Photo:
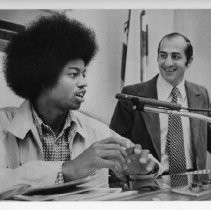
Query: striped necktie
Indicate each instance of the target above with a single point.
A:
(175, 146)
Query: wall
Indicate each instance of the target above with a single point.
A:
(7, 97)
(160, 22)
(196, 25)
(21, 16)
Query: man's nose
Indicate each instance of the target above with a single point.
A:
(82, 81)
(168, 61)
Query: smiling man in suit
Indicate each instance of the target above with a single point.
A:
(154, 131)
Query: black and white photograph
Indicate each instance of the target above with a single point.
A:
(105, 104)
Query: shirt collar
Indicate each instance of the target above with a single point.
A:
(22, 121)
(181, 88)
(164, 89)
(39, 122)
(71, 118)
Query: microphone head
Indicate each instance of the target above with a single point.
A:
(137, 100)
(121, 96)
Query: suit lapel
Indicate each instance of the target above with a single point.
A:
(152, 121)
(195, 101)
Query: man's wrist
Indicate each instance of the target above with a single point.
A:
(68, 171)
(154, 170)
(60, 176)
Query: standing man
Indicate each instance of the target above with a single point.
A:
(46, 140)
(159, 133)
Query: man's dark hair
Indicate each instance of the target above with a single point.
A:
(188, 49)
(36, 56)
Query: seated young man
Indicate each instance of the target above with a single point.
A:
(46, 140)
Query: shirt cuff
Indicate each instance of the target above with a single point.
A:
(38, 173)
(60, 176)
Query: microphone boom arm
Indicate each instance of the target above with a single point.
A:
(156, 106)
(184, 114)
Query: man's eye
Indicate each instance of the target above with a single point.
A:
(163, 56)
(176, 57)
(73, 75)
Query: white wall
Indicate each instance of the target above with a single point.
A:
(160, 22)
(196, 24)
(7, 97)
(21, 16)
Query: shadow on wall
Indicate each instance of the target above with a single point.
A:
(8, 98)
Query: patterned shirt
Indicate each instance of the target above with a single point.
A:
(56, 148)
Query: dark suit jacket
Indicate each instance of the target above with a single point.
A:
(144, 127)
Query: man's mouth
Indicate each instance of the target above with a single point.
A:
(169, 70)
(80, 94)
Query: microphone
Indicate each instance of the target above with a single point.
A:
(148, 101)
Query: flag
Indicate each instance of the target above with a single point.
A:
(134, 49)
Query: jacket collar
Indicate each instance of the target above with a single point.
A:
(152, 119)
(164, 89)
(195, 100)
(80, 128)
(23, 122)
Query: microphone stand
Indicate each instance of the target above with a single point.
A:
(175, 112)
(140, 107)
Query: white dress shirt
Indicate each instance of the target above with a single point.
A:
(164, 94)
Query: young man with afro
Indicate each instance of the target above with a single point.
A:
(46, 140)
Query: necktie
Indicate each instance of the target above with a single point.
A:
(175, 146)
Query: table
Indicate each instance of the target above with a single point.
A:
(198, 189)
(142, 190)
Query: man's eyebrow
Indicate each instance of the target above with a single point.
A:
(77, 69)
(162, 52)
(178, 53)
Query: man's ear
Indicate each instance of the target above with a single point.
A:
(189, 62)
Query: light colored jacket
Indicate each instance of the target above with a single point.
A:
(21, 154)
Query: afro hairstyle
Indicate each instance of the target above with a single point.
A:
(36, 56)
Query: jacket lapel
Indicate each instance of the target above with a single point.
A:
(152, 121)
(22, 123)
(195, 100)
